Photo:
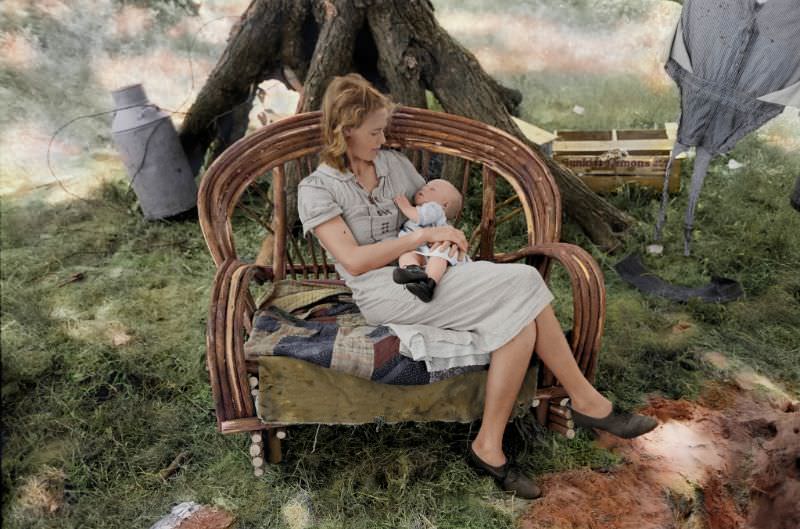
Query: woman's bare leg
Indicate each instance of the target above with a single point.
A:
(554, 351)
(507, 370)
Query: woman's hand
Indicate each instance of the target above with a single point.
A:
(441, 236)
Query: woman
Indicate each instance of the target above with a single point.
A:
(348, 204)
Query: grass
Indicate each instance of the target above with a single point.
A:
(745, 230)
(104, 384)
(110, 417)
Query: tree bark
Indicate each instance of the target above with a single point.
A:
(397, 45)
(252, 50)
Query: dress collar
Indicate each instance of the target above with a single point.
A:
(381, 168)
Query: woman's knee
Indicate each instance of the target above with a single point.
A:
(528, 277)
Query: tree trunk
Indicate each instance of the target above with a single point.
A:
(397, 45)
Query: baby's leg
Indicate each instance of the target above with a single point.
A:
(409, 269)
(410, 258)
(435, 268)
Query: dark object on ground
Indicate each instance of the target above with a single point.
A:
(719, 290)
(175, 465)
(77, 276)
(795, 201)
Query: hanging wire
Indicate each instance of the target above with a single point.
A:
(133, 177)
(212, 121)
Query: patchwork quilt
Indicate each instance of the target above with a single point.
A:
(319, 323)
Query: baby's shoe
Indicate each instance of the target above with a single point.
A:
(409, 274)
(423, 289)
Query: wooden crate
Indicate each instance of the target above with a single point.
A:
(606, 159)
(539, 136)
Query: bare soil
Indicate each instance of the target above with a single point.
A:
(731, 460)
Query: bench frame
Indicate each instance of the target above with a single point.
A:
(290, 144)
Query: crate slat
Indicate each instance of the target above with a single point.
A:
(607, 159)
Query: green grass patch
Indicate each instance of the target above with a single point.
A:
(103, 378)
(111, 416)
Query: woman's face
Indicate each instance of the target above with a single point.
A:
(365, 141)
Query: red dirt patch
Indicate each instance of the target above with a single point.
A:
(719, 507)
(208, 518)
(729, 461)
(622, 499)
(775, 491)
(665, 410)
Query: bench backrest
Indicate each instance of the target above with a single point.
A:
(286, 151)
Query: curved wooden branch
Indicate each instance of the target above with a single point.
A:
(230, 316)
(589, 300)
(416, 128)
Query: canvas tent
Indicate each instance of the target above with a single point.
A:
(737, 65)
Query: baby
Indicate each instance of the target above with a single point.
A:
(436, 202)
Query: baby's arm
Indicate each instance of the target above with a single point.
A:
(405, 206)
(431, 214)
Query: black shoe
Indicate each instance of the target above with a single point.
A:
(621, 424)
(423, 289)
(509, 476)
(409, 274)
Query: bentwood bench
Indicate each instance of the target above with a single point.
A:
(267, 396)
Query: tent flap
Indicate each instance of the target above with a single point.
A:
(737, 65)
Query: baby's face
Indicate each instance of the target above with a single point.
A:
(440, 191)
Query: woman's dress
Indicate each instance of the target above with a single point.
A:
(477, 307)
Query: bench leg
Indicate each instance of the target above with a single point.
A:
(274, 437)
(559, 419)
(257, 452)
(556, 416)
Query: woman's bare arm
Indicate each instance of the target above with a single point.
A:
(337, 238)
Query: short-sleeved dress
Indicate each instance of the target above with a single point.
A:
(478, 306)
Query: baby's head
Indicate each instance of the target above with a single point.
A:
(442, 192)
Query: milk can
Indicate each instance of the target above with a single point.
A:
(154, 159)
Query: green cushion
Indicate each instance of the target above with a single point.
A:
(293, 391)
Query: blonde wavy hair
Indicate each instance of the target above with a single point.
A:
(347, 101)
